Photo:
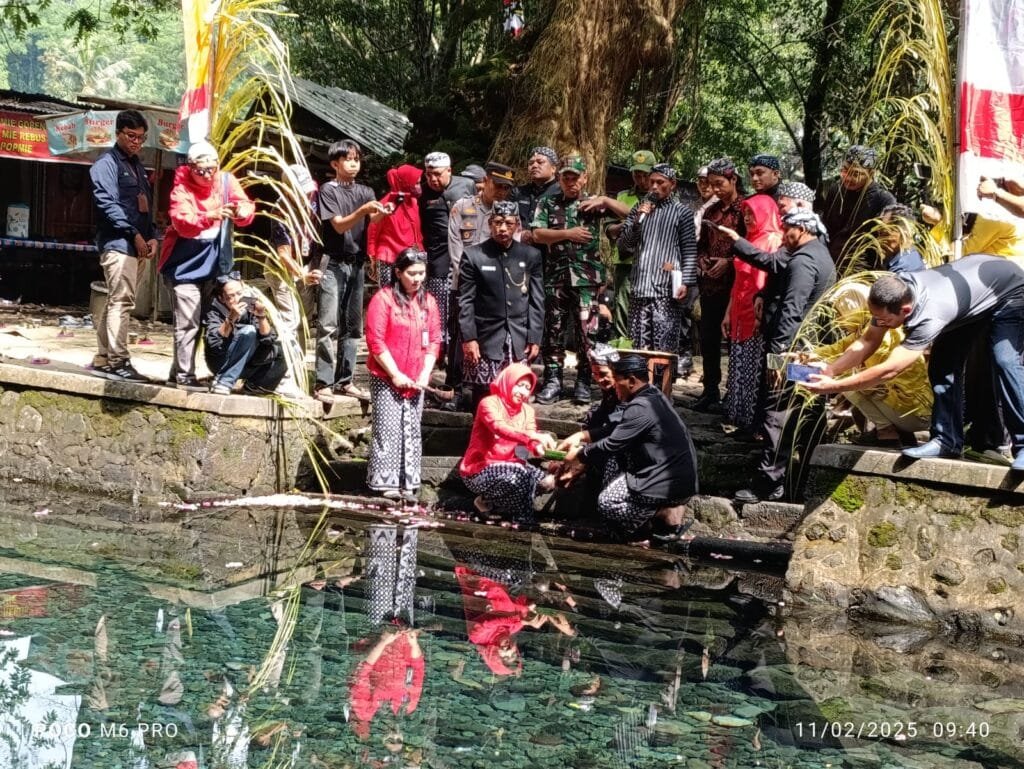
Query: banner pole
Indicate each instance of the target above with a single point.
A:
(958, 214)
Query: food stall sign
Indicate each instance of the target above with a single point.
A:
(21, 136)
(87, 131)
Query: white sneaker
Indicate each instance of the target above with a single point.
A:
(289, 390)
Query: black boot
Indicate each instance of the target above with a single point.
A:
(551, 391)
(581, 393)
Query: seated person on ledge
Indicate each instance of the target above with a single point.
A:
(491, 468)
(241, 343)
(657, 458)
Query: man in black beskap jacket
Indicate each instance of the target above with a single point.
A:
(653, 447)
(501, 302)
(798, 275)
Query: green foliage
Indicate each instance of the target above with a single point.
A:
(127, 51)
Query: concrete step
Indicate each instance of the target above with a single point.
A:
(777, 520)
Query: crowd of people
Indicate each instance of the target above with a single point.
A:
(484, 278)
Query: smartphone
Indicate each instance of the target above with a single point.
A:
(799, 372)
(399, 198)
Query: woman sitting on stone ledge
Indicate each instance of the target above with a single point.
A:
(241, 343)
(505, 421)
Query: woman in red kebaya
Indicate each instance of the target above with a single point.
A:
(493, 617)
(403, 336)
(391, 674)
(741, 325)
(504, 422)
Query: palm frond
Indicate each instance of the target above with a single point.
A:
(909, 102)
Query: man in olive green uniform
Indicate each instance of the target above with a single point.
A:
(642, 163)
(573, 276)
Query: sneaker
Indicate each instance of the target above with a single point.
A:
(290, 391)
(990, 456)
(186, 382)
(124, 372)
(103, 370)
(219, 389)
(757, 494)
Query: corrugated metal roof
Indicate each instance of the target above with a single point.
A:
(38, 103)
(375, 126)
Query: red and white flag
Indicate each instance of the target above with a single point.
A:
(991, 85)
(198, 17)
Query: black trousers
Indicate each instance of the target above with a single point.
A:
(792, 423)
(712, 312)
(453, 374)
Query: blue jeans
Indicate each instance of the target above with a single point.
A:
(339, 321)
(237, 362)
(1007, 339)
(946, 372)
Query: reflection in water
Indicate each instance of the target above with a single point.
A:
(393, 669)
(402, 647)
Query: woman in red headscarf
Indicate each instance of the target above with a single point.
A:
(388, 236)
(493, 617)
(490, 468)
(741, 325)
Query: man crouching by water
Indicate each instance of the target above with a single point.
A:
(655, 455)
(241, 343)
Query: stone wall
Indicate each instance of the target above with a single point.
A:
(124, 448)
(935, 542)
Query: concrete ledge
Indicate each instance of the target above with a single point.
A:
(947, 472)
(74, 380)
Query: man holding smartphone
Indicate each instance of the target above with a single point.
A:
(797, 282)
(204, 202)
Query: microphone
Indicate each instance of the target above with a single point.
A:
(650, 197)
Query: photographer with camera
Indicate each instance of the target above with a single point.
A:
(205, 203)
(400, 229)
(240, 342)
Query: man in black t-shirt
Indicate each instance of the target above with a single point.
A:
(942, 308)
(345, 209)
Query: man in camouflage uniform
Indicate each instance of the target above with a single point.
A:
(573, 276)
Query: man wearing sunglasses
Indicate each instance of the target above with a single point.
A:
(123, 199)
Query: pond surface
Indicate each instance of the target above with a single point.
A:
(134, 637)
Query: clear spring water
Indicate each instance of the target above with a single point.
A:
(133, 637)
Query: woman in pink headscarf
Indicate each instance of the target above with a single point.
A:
(490, 468)
(742, 325)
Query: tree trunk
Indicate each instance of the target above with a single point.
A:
(572, 90)
(817, 94)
